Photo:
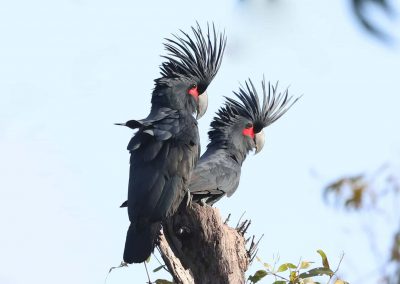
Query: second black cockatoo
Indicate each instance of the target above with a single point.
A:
(166, 147)
(236, 130)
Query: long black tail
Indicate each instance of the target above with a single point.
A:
(140, 243)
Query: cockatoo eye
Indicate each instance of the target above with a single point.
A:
(249, 125)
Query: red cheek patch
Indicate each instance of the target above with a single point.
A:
(248, 132)
(194, 92)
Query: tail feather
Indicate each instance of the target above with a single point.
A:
(140, 243)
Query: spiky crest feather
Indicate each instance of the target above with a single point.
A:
(274, 105)
(198, 58)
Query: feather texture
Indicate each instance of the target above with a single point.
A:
(219, 168)
(166, 146)
(200, 57)
(247, 105)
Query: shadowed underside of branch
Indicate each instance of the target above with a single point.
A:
(199, 248)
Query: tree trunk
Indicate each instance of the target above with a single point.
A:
(202, 249)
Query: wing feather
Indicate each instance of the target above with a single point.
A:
(215, 174)
(160, 167)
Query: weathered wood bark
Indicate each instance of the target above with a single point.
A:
(205, 250)
(179, 273)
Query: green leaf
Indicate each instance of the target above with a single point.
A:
(325, 262)
(286, 266)
(293, 276)
(305, 264)
(258, 276)
(279, 282)
(267, 266)
(163, 281)
(319, 271)
(158, 268)
(282, 268)
(148, 259)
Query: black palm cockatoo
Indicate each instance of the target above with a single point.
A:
(236, 130)
(166, 147)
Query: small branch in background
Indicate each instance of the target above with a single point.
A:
(360, 9)
(227, 219)
(363, 191)
(371, 193)
(303, 271)
(242, 228)
(147, 272)
(240, 219)
(162, 265)
(123, 264)
(253, 249)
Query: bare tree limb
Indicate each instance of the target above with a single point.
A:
(178, 272)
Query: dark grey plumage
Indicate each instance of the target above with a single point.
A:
(166, 147)
(218, 170)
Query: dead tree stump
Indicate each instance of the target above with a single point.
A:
(200, 248)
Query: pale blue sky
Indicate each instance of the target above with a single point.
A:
(70, 69)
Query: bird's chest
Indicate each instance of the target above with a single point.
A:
(189, 134)
(188, 142)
